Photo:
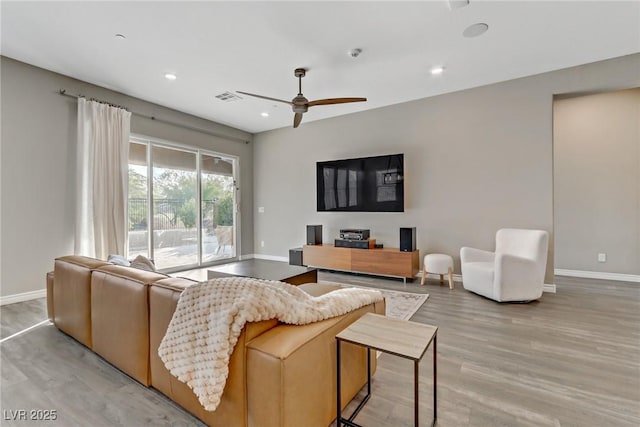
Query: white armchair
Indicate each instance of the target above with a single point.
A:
(514, 272)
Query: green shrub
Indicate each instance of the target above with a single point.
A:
(224, 211)
(187, 213)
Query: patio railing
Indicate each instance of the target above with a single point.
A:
(168, 214)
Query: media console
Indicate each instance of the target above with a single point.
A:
(383, 262)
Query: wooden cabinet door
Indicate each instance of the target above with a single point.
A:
(389, 262)
(327, 256)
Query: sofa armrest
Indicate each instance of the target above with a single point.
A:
(517, 278)
(291, 372)
(232, 410)
(475, 255)
(71, 290)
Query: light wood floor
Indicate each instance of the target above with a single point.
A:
(571, 359)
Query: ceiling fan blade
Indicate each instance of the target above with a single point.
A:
(297, 119)
(265, 97)
(330, 101)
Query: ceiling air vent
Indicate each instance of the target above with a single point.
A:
(228, 97)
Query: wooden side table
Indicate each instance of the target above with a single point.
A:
(402, 338)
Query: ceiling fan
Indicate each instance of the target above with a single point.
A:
(300, 104)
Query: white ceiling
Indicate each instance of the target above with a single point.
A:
(254, 47)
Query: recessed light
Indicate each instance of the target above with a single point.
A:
(170, 76)
(264, 114)
(475, 30)
(120, 36)
(437, 70)
(354, 53)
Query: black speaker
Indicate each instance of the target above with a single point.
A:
(314, 234)
(295, 256)
(408, 239)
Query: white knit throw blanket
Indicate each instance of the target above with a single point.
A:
(210, 316)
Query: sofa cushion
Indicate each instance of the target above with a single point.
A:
(118, 260)
(317, 289)
(143, 263)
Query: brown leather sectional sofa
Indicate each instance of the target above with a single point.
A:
(279, 375)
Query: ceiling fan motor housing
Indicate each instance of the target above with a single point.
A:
(300, 104)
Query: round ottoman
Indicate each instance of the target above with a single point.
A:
(439, 264)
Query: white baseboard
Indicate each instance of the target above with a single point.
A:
(26, 296)
(551, 288)
(598, 275)
(271, 257)
(261, 256)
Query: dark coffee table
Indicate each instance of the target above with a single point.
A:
(264, 269)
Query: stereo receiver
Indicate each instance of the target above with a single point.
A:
(354, 234)
(356, 244)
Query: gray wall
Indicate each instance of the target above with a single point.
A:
(38, 167)
(476, 161)
(597, 182)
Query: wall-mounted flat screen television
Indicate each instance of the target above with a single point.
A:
(367, 184)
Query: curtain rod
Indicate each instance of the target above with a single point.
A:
(64, 92)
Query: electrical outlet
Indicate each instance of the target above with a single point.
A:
(262, 243)
(261, 209)
(602, 257)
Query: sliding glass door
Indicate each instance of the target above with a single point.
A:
(168, 186)
(138, 206)
(218, 208)
(174, 195)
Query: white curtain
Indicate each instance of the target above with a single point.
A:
(102, 166)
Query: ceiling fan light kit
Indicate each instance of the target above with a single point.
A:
(300, 104)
